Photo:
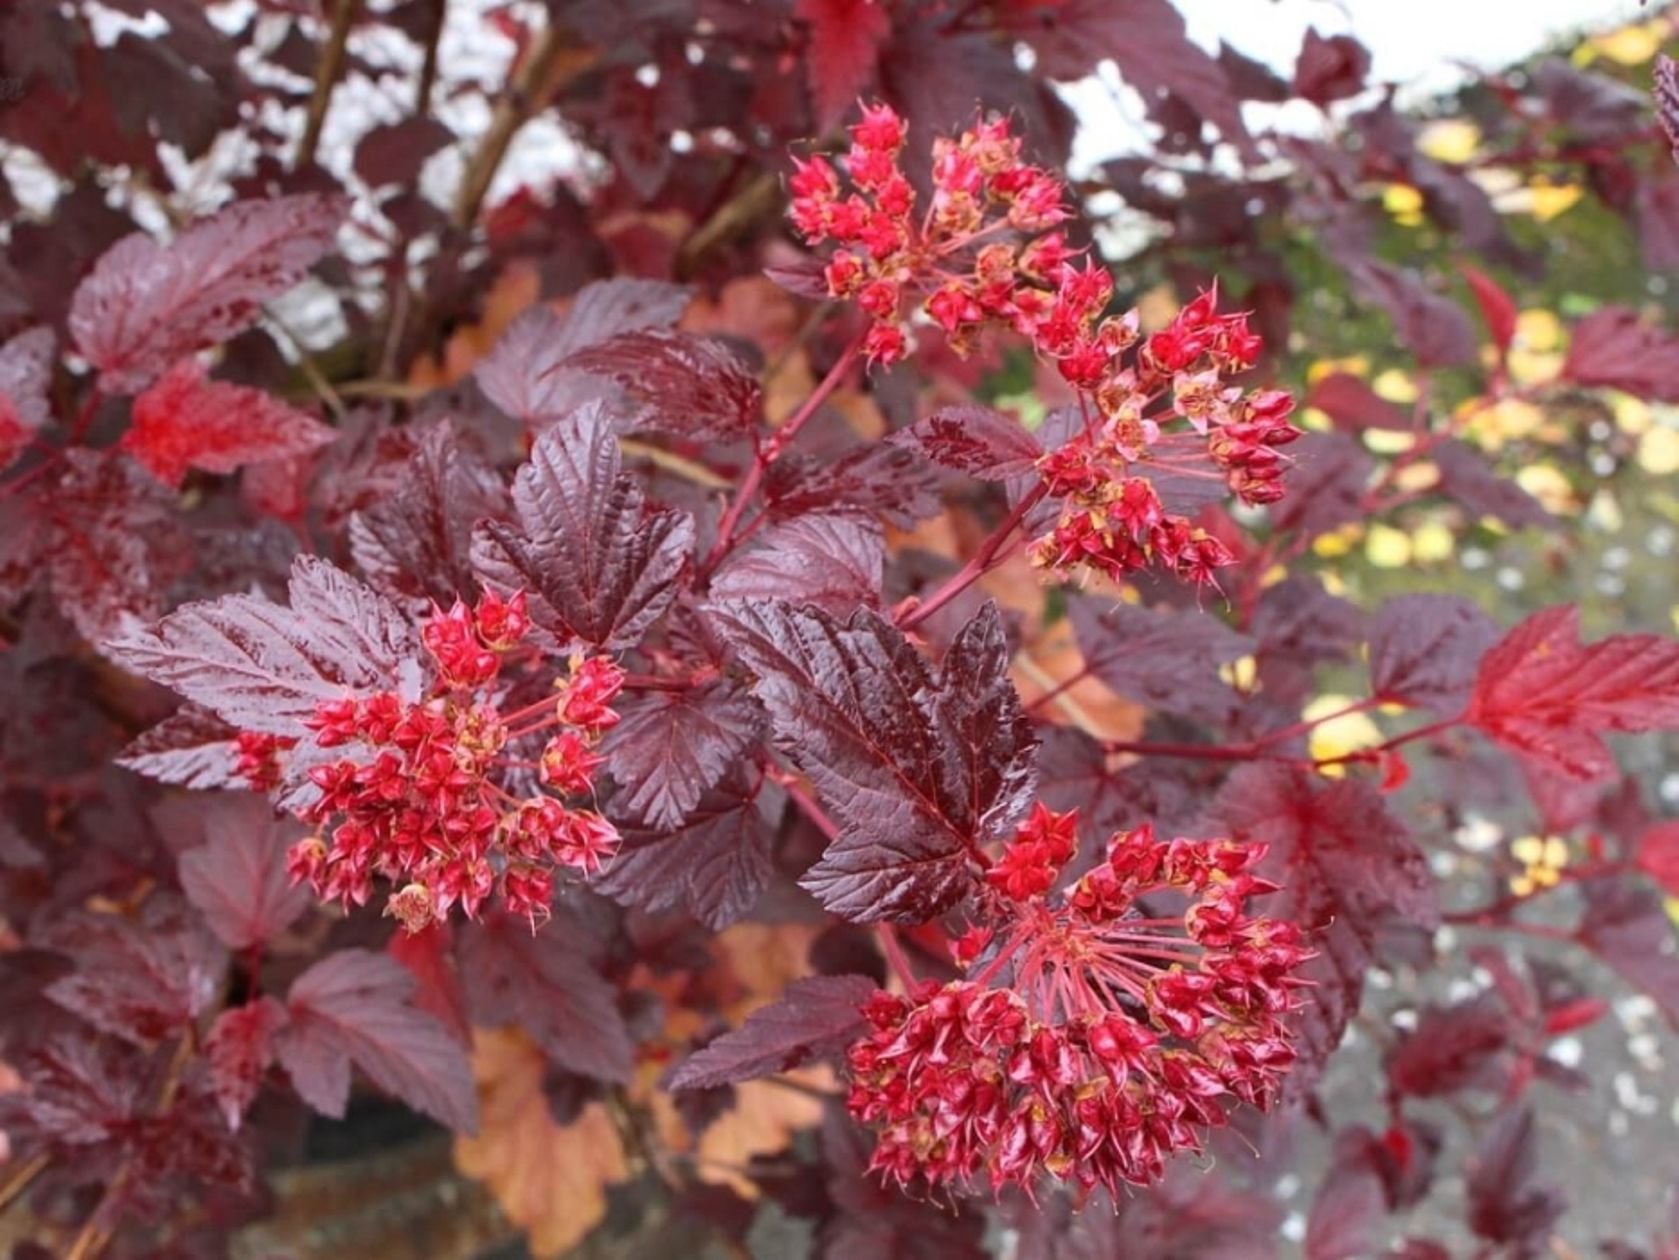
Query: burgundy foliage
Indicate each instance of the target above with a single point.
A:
(457, 672)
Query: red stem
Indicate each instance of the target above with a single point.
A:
(991, 551)
(894, 952)
(768, 452)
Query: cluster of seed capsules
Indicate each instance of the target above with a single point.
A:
(983, 256)
(425, 800)
(1102, 1030)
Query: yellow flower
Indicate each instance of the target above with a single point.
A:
(1450, 140)
(1387, 547)
(1658, 451)
(1543, 859)
(1338, 732)
(1404, 203)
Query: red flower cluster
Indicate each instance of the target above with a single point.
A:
(423, 802)
(1111, 516)
(973, 262)
(1117, 1036)
(951, 257)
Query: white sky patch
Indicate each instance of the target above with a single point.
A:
(1425, 46)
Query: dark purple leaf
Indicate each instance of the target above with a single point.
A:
(597, 563)
(878, 478)
(671, 747)
(415, 544)
(240, 1048)
(393, 153)
(713, 865)
(261, 666)
(354, 1007)
(1350, 1202)
(918, 768)
(977, 440)
(191, 748)
(1466, 478)
(1434, 327)
(1613, 347)
(831, 560)
(521, 373)
(1150, 42)
(1452, 1048)
(845, 40)
(1347, 868)
(144, 979)
(1424, 651)
(25, 374)
(1627, 927)
(147, 305)
(544, 983)
(1166, 660)
(237, 879)
(117, 544)
(1354, 406)
(1330, 69)
(693, 387)
(815, 1018)
(1507, 1204)
(1326, 486)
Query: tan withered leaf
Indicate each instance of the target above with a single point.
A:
(549, 1178)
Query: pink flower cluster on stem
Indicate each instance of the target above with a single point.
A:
(982, 256)
(1100, 1031)
(420, 800)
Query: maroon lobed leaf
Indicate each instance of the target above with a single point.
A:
(146, 304)
(353, 1007)
(1150, 42)
(240, 1049)
(1627, 927)
(1347, 870)
(877, 477)
(693, 387)
(544, 983)
(713, 864)
(976, 440)
(1424, 651)
(415, 544)
(117, 544)
(393, 153)
(831, 560)
(815, 1018)
(1166, 660)
(143, 979)
(1434, 327)
(1330, 69)
(845, 40)
(1349, 1204)
(185, 420)
(1466, 478)
(238, 878)
(25, 373)
(919, 768)
(1506, 1202)
(1326, 488)
(1354, 406)
(1542, 694)
(261, 666)
(1613, 347)
(521, 373)
(597, 563)
(1451, 1048)
(191, 748)
(671, 747)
